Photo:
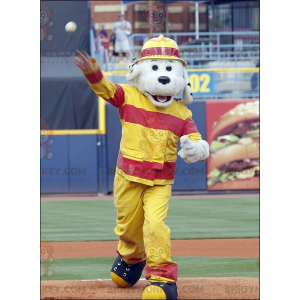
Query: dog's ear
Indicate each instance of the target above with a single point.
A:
(134, 72)
(187, 95)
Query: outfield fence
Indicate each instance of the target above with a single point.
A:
(84, 161)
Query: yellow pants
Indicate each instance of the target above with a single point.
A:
(143, 234)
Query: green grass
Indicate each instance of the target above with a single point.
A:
(78, 221)
(99, 267)
(214, 218)
(187, 218)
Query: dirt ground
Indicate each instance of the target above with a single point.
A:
(239, 248)
(188, 288)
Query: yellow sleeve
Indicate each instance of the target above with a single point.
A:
(103, 87)
(195, 136)
(190, 129)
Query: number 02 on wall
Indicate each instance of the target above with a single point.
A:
(202, 83)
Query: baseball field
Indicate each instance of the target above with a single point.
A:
(215, 241)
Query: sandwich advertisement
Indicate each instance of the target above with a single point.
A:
(233, 136)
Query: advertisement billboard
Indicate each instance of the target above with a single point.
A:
(232, 128)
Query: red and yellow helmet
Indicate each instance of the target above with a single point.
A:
(160, 48)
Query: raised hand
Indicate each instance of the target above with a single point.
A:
(84, 62)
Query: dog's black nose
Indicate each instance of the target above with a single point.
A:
(164, 79)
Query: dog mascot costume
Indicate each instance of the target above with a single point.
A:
(152, 122)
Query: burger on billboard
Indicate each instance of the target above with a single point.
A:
(234, 146)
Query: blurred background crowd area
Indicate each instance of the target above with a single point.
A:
(206, 31)
(216, 35)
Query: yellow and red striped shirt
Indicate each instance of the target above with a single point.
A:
(148, 149)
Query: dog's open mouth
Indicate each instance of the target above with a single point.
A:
(161, 99)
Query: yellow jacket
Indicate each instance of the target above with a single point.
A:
(148, 149)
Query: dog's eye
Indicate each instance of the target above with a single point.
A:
(155, 68)
(169, 69)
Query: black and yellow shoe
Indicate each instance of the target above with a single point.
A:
(126, 275)
(160, 290)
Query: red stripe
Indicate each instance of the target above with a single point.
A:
(94, 77)
(160, 51)
(167, 271)
(168, 171)
(150, 119)
(189, 127)
(119, 97)
(145, 169)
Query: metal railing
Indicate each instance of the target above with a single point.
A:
(209, 47)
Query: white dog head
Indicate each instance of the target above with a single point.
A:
(161, 79)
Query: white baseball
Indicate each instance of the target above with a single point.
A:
(70, 27)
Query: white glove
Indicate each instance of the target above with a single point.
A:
(193, 151)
